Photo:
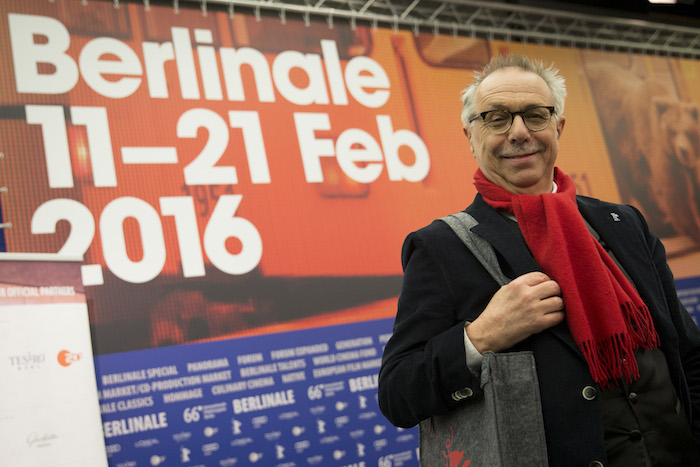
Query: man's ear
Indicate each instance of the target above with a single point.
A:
(468, 134)
(560, 125)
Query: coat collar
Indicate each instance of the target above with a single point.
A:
(605, 218)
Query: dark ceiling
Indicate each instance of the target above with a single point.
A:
(684, 12)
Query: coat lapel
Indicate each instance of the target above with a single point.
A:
(619, 234)
(502, 237)
(512, 247)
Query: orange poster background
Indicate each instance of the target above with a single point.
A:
(331, 249)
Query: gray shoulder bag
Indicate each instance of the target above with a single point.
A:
(505, 427)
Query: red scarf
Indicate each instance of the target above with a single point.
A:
(605, 314)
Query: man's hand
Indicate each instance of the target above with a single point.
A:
(527, 305)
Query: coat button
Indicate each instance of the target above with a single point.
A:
(635, 436)
(462, 394)
(589, 393)
(633, 397)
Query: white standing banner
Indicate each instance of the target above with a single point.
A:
(49, 410)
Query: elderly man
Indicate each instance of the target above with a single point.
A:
(591, 296)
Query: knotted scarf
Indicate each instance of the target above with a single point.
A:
(605, 314)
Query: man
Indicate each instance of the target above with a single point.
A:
(617, 355)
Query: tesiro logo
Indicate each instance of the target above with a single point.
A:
(27, 361)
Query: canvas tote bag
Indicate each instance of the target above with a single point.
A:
(504, 428)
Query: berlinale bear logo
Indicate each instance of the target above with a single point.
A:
(454, 458)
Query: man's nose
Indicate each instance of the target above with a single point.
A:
(518, 130)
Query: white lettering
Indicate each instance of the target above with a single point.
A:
(263, 401)
(27, 55)
(155, 56)
(315, 90)
(392, 141)
(363, 72)
(231, 61)
(138, 424)
(348, 156)
(93, 67)
(208, 365)
(208, 65)
(44, 67)
(184, 60)
(363, 383)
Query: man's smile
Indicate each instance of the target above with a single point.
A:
(518, 156)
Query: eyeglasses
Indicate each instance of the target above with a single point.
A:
(500, 121)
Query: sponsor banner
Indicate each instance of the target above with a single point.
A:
(49, 412)
(296, 399)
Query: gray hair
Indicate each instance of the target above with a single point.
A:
(549, 74)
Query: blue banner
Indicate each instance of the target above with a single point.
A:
(689, 293)
(293, 399)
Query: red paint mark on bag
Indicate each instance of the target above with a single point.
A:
(454, 458)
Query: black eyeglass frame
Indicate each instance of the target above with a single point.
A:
(483, 115)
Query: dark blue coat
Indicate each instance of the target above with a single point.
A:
(444, 286)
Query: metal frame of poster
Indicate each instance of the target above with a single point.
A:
(240, 188)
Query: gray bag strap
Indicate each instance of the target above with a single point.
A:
(461, 223)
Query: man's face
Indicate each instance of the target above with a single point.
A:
(519, 160)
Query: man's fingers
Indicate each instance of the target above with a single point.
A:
(552, 319)
(547, 289)
(536, 283)
(532, 278)
(552, 304)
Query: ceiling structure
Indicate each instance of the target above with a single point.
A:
(629, 25)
